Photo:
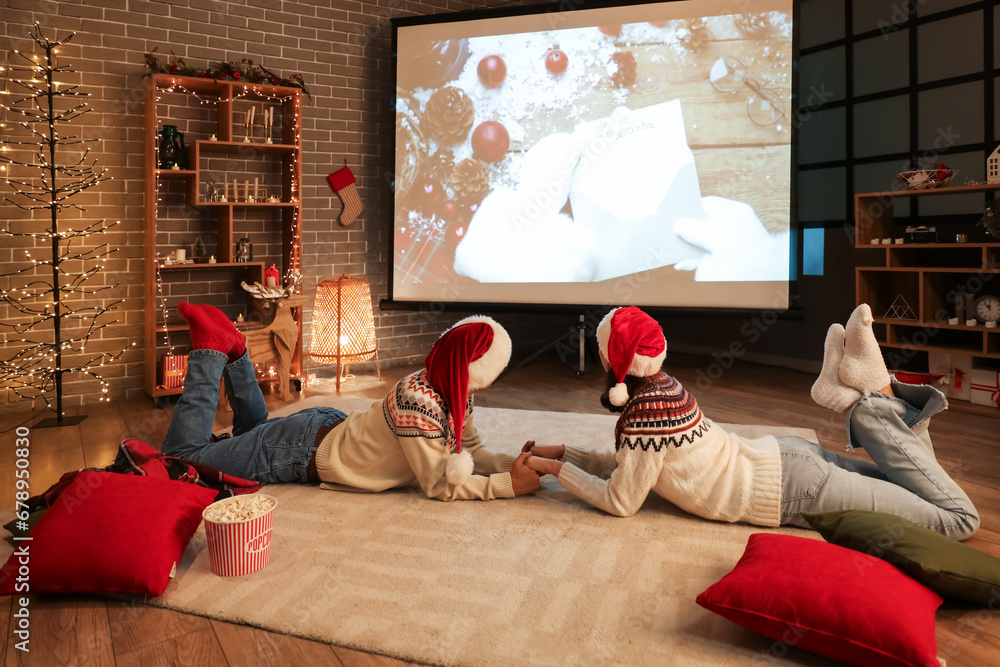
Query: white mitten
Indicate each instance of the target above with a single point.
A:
(739, 246)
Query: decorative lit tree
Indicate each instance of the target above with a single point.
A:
(53, 306)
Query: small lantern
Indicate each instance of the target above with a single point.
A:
(271, 276)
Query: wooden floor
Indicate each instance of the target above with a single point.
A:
(94, 630)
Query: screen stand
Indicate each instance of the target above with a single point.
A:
(562, 346)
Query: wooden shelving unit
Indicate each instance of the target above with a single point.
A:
(218, 99)
(926, 276)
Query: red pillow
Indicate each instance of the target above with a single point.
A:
(108, 533)
(840, 603)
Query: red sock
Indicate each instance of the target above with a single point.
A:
(212, 330)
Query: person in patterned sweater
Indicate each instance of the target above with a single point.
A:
(664, 443)
(422, 433)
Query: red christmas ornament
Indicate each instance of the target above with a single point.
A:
(556, 62)
(492, 71)
(611, 30)
(490, 141)
(625, 74)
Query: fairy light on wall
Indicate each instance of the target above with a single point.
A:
(56, 303)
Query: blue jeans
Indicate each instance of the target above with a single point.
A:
(263, 450)
(905, 479)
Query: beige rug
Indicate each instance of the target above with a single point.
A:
(537, 580)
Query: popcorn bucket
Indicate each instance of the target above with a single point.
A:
(239, 534)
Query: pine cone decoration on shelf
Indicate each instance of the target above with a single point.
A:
(449, 116)
(470, 179)
(440, 165)
(411, 149)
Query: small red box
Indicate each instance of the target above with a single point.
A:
(174, 369)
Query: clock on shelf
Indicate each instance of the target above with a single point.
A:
(988, 308)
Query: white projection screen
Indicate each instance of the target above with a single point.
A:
(633, 154)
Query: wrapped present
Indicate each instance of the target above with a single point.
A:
(957, 368)
(173, 370)
(985, 386)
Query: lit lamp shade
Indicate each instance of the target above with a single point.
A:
(343, 326)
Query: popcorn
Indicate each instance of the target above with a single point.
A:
(242, 508)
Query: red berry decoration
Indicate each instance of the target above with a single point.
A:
(455, 212)
(942, 171)
(625, 74)
(556, 62)
(611, 30)
(492, 71)
(490, 141)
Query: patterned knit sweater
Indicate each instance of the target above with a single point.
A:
(664, 443)
(405, 441)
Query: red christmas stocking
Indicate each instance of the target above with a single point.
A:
(342, 182)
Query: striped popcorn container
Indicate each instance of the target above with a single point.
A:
(239, 531)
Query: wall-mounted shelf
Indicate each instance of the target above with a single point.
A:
(927, 276)
(178, 196)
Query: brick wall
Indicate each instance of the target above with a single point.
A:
(342, 49)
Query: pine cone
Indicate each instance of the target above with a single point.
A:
(691, 34)
(449, 116)
(470, 179)
(440, 165)
(624, 75)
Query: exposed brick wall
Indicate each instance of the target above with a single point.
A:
(342, 49)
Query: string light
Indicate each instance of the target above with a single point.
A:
(35, 370)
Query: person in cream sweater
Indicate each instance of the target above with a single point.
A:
(422, 433)
(664, 443)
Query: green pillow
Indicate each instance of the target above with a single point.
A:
(947, 567)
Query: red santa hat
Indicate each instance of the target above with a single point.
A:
(632, 342)
(466, 358)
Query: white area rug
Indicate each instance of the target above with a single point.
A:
(537, 580)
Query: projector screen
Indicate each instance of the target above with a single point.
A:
(637, 154)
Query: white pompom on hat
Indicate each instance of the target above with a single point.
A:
(467, 357)
(632, 342)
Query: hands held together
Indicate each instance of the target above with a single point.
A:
(533, 462)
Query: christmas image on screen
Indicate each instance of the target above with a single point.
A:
(637, 153)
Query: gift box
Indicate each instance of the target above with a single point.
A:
(985, 387)
(957, 369)
(173, 370)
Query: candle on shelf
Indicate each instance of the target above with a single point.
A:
(239, 318)
(255, 188)
(246, 189)
(236, 191)
(212, 260)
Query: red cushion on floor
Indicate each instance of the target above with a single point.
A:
(108, 533)
(840, 603)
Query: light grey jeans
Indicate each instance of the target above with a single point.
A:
(905, 478)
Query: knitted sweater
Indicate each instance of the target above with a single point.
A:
(405, 441)
(666, 444)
